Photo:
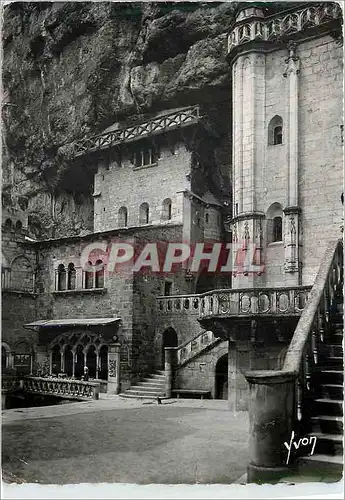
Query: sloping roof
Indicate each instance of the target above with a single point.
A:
(52, 323)
(119, 125)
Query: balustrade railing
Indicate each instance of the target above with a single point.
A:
(188, 350)
(279, 25)
(68, 388)
(314, 327)
(238, 302)
(246, 302)
(9, 383)
(179, 303)
(288, 393)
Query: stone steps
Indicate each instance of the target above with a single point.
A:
(150, 387)
(327, 410)
(328, 444)
(329, 424)
(332, 391)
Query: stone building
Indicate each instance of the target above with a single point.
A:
(149, 186)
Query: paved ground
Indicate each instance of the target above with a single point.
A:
(115, 440)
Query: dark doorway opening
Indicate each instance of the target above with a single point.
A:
(79, 362)
(169, 339)
(91, 361)
(222, 378)
(68, 361)
(56, 360)
(103, 363)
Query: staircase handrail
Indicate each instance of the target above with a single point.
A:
(235, 290)
(323, 284)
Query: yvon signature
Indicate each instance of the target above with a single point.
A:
(306, 441)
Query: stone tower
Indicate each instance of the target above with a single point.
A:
(287, 146)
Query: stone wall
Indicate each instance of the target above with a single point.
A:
(262, 171)
(18, 309)
(320, 151)
(265, 351)
(129, 186)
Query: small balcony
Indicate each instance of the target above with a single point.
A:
(226, 303)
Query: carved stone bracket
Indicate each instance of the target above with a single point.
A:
(291, 239)
(292, 61)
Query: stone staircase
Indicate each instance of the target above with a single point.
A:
(153, 386)
(150, 387)
(327, 408)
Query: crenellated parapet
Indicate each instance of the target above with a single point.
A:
(252, 26)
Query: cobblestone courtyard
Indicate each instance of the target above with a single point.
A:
(183, 442)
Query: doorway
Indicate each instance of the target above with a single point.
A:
(222, 378)
(169, 339)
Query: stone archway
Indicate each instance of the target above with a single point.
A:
(221, 377)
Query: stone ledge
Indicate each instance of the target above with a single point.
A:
(263, 377)
(80, 291)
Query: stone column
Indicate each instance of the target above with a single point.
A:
(41, 359)
(232, 367)
(169, 370)
(50, 362)
(62, 361)
(271, 422)
(74, 362)
(291, 226)
(97, 363)
(114, 369)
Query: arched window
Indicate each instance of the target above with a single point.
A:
(278, 135)
(71, 276)
(275, 131)
(61, 277)
(56, 360)
(166, 209)
(89, 274)
(274, 223)
(8, 225)
(277, 229)
(99, 278)
(144, 214)
(18, 227)
(123, 217)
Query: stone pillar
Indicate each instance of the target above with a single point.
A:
(97, 363)
(291, 226)
(271, 422)
(114, 369)
(248, 85)
(169, 370)
(232, 367)
(62, 361)
(42, 359)
(50, 362)
(74, 362)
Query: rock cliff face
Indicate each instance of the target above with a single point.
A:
(72, 69)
